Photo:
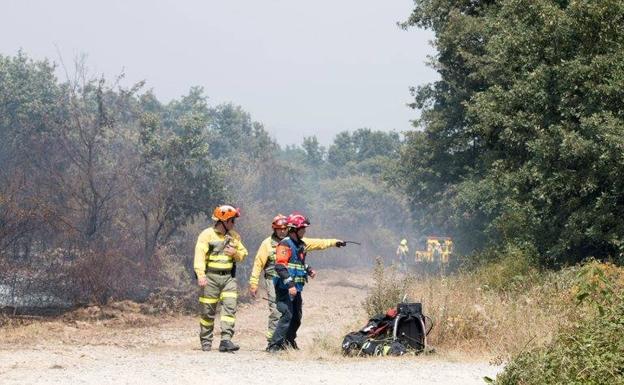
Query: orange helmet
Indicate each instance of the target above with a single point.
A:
(279, 222)
(225, 212)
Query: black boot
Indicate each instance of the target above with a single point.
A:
(292, 344)
(228, 346)
(206, 347)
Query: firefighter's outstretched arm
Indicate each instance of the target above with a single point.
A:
(321, 244)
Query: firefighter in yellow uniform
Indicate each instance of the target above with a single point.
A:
(401, 253)
(265, 261)
(217, 251)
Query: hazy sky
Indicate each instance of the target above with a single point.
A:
(301, 68)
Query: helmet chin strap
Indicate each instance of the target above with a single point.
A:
(225, 230)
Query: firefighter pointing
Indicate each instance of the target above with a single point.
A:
(292, 273)
(265, 260)
(217, 250)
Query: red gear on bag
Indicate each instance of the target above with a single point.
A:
(392, 312)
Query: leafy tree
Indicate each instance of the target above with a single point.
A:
(315, 153)
(522, 129)
(176, 181)
(362, 145)
(342, 150)
(369, 143)
(233, 133)
(28, 95)
(27, 104)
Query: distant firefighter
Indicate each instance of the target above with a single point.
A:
(439, 249)
(402, 252)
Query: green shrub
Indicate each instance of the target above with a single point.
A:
(589, 352)
(514, 270)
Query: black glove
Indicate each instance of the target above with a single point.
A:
(341, 244)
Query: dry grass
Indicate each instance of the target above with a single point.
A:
(498, 310)
(469, 318)
(473, 317)
(89, 325)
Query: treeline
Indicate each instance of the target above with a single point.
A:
(103, 189)
(523, 140)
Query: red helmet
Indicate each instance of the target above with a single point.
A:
(297, 221)
(279, 222)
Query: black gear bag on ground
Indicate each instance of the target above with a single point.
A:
(398, 331)
(410, 326)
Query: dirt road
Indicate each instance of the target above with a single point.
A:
(150, 350)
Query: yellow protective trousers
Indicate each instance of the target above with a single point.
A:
(221, 288)
(274, 314)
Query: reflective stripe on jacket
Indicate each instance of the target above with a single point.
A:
(209, 251)
(290, 264)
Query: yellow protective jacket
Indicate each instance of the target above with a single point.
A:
(209, 251)
(265, 257)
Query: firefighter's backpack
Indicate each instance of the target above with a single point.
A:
(400, 330)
